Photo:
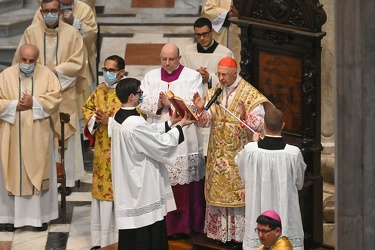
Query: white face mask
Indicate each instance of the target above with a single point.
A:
(110, 78)
(51, 18)
(27, 68)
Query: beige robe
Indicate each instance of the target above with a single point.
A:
(229, 38)
(69, 58)
(90, 3)
(88, 30)
(27, 139)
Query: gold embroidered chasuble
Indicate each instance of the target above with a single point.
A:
(62, 47)
(223, 185)
(25, 144)
(104, 99)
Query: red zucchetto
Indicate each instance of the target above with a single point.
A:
(228, 62)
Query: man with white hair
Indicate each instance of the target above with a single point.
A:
(29, 95)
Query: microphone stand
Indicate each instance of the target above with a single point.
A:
(238, 119)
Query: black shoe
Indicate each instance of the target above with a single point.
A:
(10, 227)
(237, 245)
(177, 236)
(95, 247)
(219, 243)
(44, 227)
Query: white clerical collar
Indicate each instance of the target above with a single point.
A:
(234, 85)
(173, 71)
(276, 136)
(128, 108)
(206, 48)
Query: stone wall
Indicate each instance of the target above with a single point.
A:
(328, 81)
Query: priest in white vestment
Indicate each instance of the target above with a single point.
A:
(204, 56)
(187, 174)
(61, 48)
(273, 172)
(141, 186)
(29, 95)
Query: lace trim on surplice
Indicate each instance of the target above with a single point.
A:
(134, 212)
(187, 169)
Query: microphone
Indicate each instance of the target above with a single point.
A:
(213, 99)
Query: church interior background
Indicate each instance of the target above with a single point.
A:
(136, 29)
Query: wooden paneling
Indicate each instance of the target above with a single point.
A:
(281, 56)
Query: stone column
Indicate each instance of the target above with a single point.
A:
(328, 79)
(355, 124)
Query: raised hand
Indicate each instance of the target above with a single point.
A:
(199, 102)
(242, 110)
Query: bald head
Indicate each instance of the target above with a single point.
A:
(29, 54)
(170, 57)
(170, 49)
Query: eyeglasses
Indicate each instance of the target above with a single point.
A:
(225, 75)
(204, 35)
(53, 11)
(139, 92)
(164, 59)
(262, 231)
(111, 70)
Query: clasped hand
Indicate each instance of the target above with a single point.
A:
(68, 17)
(163, 101)
(26, 102)
(204, 73)
(101, 117)
(233, 12)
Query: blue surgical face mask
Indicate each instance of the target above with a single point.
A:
(51, 18)
(140, 99)
(27, 68)
(66, 7)
(110, 78)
